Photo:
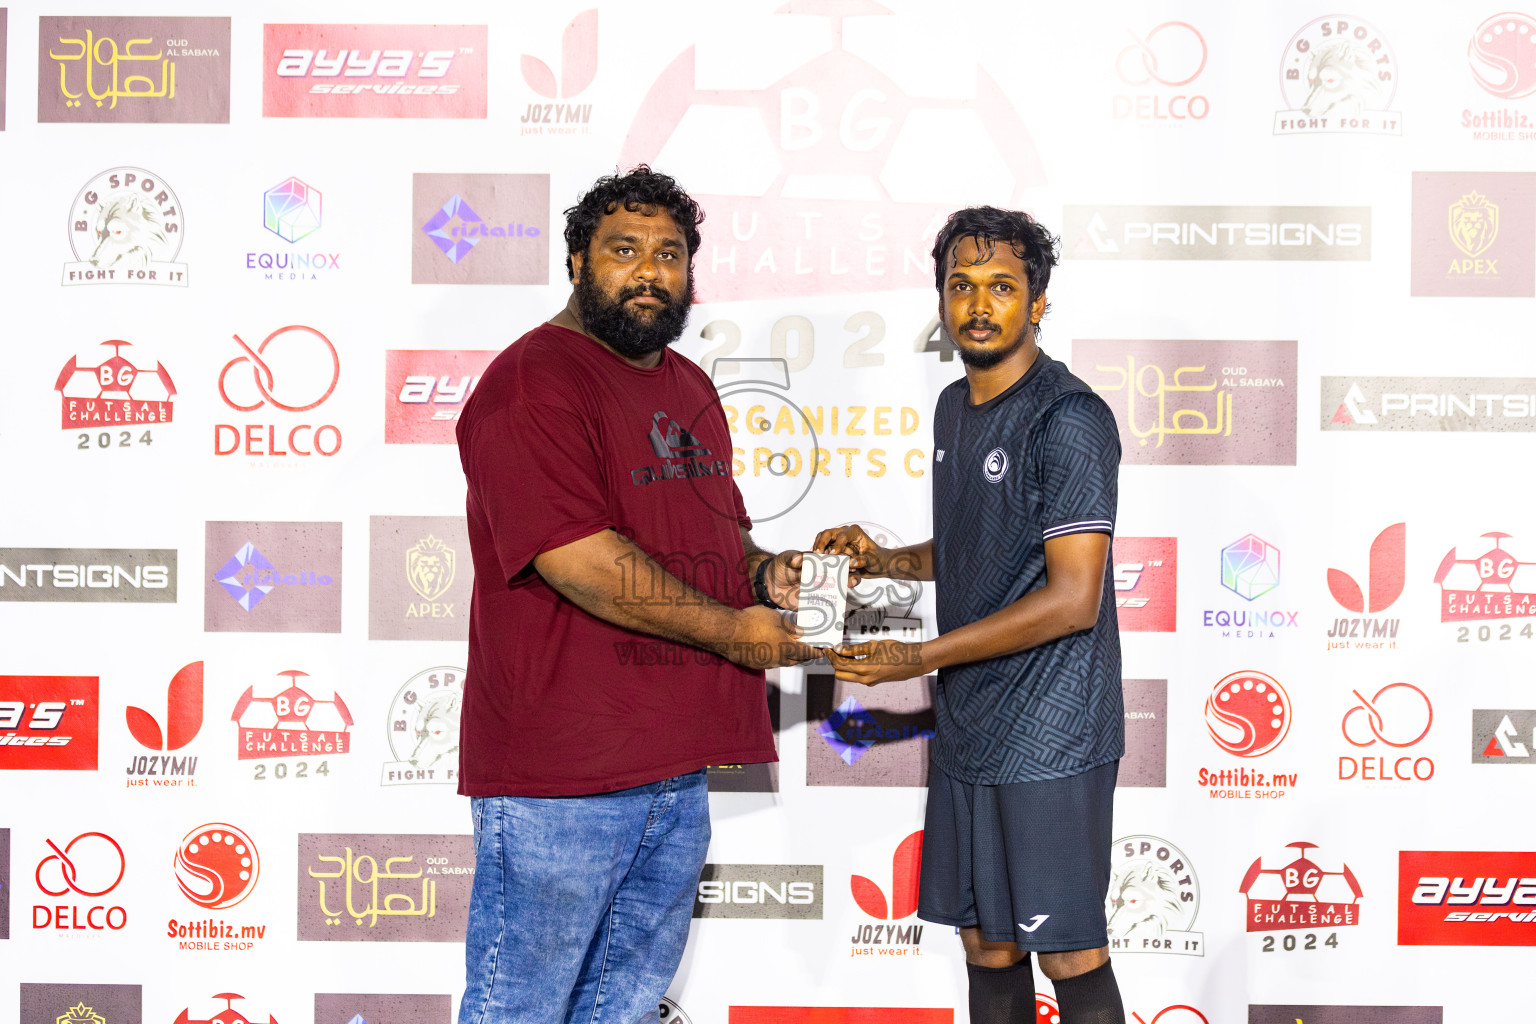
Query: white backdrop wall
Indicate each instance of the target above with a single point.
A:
(1221, 252)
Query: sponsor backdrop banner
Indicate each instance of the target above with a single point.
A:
(265, 254)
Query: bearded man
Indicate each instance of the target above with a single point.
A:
(617, 633)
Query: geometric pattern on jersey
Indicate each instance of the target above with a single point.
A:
(1039, 461)
(1026, 862)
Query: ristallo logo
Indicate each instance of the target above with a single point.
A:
(1338, 74)
(374, 70)
(760, 891)
(835, 188)
(1154, 897)
(1300, 895)
(292, 371)
(480, 229)
(578, 66)
(1159, 69)
(290, 723)
(292, 210)
(133, 70)
(1474, 233)
(420, 578)
(114, 393)
(1385, 577)
(872, 738)
(1466, 898)
(49, 722)
(883, 938)
(1248, 714)
(272, 577)
(425, 391)
(125, 227)
(183, 721)
(1497, 736)
(77, 874)
(1146, 578)
(1485, 584)
(1379, 727)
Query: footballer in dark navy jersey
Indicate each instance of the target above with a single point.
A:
(1030, 720)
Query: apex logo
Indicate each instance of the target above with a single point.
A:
(906, 863)
(183, 712)
(578, 61)
(1386, 574)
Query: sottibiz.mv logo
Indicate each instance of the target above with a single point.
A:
(1300, 895)
(1385, 579)
(891, 939)
(1463, 898)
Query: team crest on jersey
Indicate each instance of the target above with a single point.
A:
(996, 466)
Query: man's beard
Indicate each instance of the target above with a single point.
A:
(985, 359)
(622, 329)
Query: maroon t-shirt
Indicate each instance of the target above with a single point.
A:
(561, 439)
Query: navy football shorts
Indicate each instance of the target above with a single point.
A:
(1027, 862)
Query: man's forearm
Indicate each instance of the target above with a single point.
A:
(1034, 619)
(914, 562)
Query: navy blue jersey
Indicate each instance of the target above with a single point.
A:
(1039, 461)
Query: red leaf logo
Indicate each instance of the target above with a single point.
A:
(868, 896)
(183, 712)
(906, 866)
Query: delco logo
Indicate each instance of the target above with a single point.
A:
(1463, 898)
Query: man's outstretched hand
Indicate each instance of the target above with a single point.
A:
(879, 661)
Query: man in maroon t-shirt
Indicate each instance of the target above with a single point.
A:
(617, 634)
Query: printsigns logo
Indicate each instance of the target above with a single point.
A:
(291, 723)
(1300, 894)
(841, 166)
(421, 895)
(1489, 584)
(273, 578)
(1386, 577)
(1474, 233)
(1248, 714)
(80, 872)
(359, 1008)
(374, 71)
(49, 722)
(1466, 898)
(1145, 762)
(1171, 56)
(415, 589)
(906, 867)
(114, 393)
(1498, 404)
(1502, 55)
(875, 738)
(1233, 404)
(424, 728)
(1338, 74)
(1147, 583)
(88, 575)
(1154, 896)
(125, 227)
(133, 70)
(760, 891)
(217, 866)
(1496, 736)
(1397, 716)
(81, 1004)
(1216, 233)
(1309, 1014)
(425, 390)
(480, 229)
(578, 66)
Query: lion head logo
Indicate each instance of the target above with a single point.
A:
(129, 233)
(429, 568)
(437, 729)
(1143, 900)
(1342, 80)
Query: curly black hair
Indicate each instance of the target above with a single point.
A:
(640, 189)
(988, 225)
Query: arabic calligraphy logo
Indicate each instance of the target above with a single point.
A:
(1474, 223)
(455, 242)
(100, 858)
(350, 869)
(91, 54)
(80, 1014)
(1399, 714)
(304, 372)
(291, 210)
(1134, 383)
(1166, 62)
(429, 567)
(1250, 567)
(1502, 53)
(996, 465)
(1248, 714)
(217, 866)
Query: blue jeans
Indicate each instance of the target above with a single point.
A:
(581, 905)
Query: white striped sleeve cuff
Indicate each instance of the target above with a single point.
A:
(1078, 526)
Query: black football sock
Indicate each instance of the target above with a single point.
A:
(1002, 995)
(1091, 998)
